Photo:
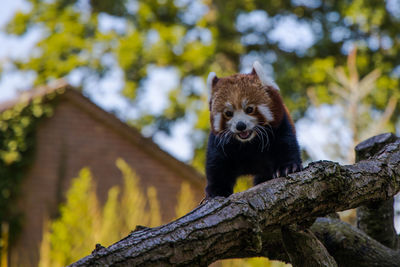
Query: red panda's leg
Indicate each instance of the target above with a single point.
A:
(221, 175)
(220, 182)
(286, 150)
(260, 178)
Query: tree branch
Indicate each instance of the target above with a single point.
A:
(352, 247)
(304, 249)
(376, 218)
(248, 224)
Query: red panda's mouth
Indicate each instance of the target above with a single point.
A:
(245, 135)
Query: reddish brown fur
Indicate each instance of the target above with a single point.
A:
(234, 89)
(290, 119)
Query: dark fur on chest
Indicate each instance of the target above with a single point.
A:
(281, 155)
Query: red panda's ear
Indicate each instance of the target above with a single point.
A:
(212, 80)
(265, 80)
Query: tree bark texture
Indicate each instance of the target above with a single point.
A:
(351, 247)
(249, 223)
(376, 218)
(304, 249)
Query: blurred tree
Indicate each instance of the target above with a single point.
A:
(351, 93)
(185, 201)
(82, 223)
(351, 114)
(80, 215)
(300, 39)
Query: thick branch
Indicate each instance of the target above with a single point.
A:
(352, 247)
(377, 218)
(244, 224)
(304, 249)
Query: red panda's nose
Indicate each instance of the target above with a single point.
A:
(241, 126)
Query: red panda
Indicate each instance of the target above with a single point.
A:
(251, 132)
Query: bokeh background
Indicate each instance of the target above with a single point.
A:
(337, 64)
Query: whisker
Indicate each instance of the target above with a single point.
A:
(261, 135)
(263, 132)
(223, 138)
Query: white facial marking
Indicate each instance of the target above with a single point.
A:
(210, 78)
(265, 80)
(239, 115)
(217, 122)
(266, 112)
(244, 103)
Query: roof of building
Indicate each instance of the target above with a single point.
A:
(63, 89)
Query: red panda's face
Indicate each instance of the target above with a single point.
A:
(241, 105)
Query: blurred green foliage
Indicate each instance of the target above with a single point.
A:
(197, 36)
(17, 142)
(186, 201)
(83, 222)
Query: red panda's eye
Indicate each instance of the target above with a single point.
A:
(228, 113)
(249, 110)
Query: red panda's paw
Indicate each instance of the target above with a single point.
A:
(284, 170)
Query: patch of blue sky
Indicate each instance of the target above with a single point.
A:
(199, 33)
(132, 6)
(109, 23)
(265, 58)
(373, 42)
(179, 141)
(292, 34)
(323, 133)
(192, 12)
(105, 92)
(307, 3)
(396, 72)
(393, 7)
(193, 85)
(340, 33)
(152, 37)
(253, 38)
(333, 16)
(255, 21)
(10, 7)
(19, 47)
(158, 84)
(12, 82)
